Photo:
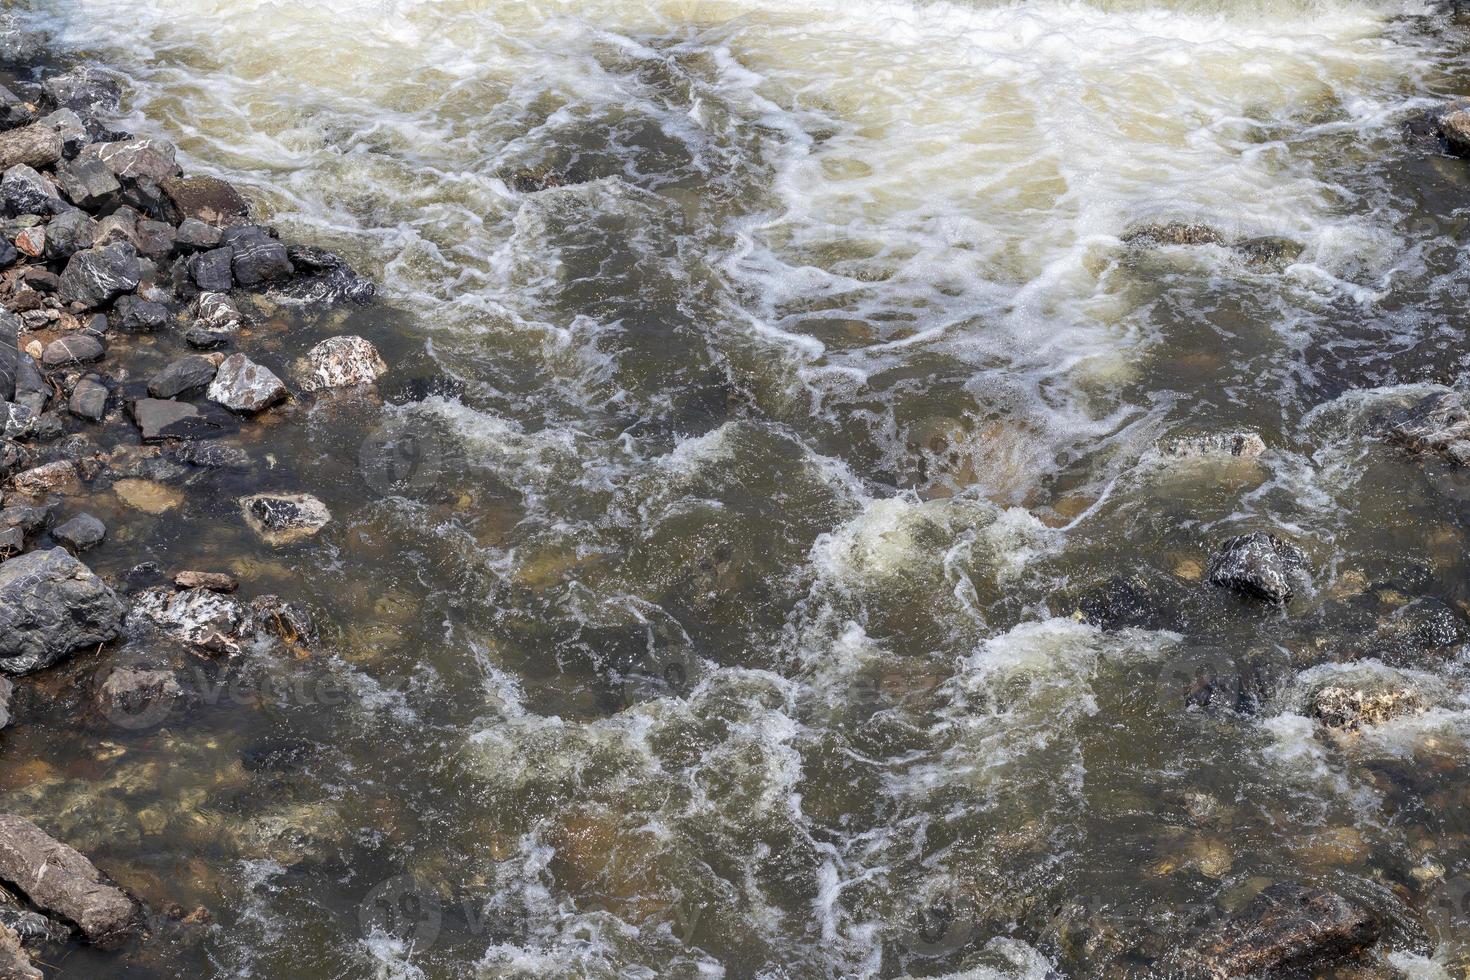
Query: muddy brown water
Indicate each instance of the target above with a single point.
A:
(770, 386)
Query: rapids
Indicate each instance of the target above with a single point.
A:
(782, 380)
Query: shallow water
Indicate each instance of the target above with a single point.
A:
(779, 380)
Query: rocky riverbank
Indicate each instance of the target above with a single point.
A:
(136, 302)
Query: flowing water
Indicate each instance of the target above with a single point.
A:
(780, 381)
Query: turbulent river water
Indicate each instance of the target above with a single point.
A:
(781, 385)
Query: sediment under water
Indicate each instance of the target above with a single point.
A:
(784, 383)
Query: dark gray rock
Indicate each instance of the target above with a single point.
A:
(1268, 252)
(1286, 928)
(16, 420)
(212, 270)
(81, 533)
(14, 111)
(58, 879)
(201, 338)
(88, 183)
(209, 455)
(163, 419)
(10, 355)
(89, 399)
(119, 226)
(36, 145)
(84, 89)
(257, 257)
(135, 159)
(9, 254)
(12, 542)
(77, 348)
(323, 279)
(155, 239)
(241, 385)
(209, 199)
(190, 373)
(50, 605)
(27, 518)
(21, 48)
(70, 127)
(1260, 565)
(7, 692)
(31, 389)
(291, 621)
(24, 191)
(137, 315)
(194, 235)
(69, 233)
(50, 426)
(96, 275)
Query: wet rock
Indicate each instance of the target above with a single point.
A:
(10, 355)
(290, 621)
(1437, 423)
(136, 696)
(164, 419)
(256, 257)
(1173, 233)
(84, 89)
(50, 426)
(135, 158)
(58, 879)
(77, 348)
(343, 362)
(1260, 565)
(213, 581)
(137, 315)
(199, 617)
(1287, 927)
(97, 275)
(67, 235)
(88, 183)
(70, 127)
(241, 385)
(51, 604)
(24, 191)
(207, 199)
(19, 47)
(12, 542)
(47, 478)
(323, 279)
(36, 146)
(194, 235)
(89, 399)
(1238, 444)
(1124, 602)
(282, 519)
(211, 455)
(14, 963)
(81, 533)
(1348, 709)
(16, 421)
(217, 313)
(1267, 251)
(189, 373)
(211, 271)
(149, 496)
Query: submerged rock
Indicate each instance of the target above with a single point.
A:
(51, 604)
(1241, 444)
(1347, 709)
(60, 880)
(323, 279)
(165, 419)
(1287, 927)
(1437, 423)
(1173, 233)
(343, 362)
(284, 518)
(89, 399)
(81, 533)
(241, 385)
(190, 373)
(1260, 565)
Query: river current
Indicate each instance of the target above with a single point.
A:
(781, 380)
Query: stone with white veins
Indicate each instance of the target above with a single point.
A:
(199, 617)
(24, 191)
(284, 518)
(96, 275)
(153, 159)
(77, 348)
(343, 362)
(241, 385)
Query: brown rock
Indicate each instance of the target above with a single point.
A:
(207, 199)
(14, 963)
(36, 145)
(214, 581)
(58, 879)
(1287, 927)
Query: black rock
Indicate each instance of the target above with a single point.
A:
(10, 355)
(14, 111)
(84, 89)
(40, 279)
(29, 519)
(89, 399)
(211, 270)
(21, 48)
(31, 389)
(50, 605)
(96, 275)
(81, 533)
(1124, 602)
(77, 348)
(162, 419)
(210, 455)
(1287, 928)
(189, 373)
(1260, 565)
(257, 257)
(16, 421)
(72, 130)
(8, 253)
(69, 233)
(137, 315)
(155, 238)
(323, 279)
(89, 184)
(49, 427)
(24, 191)
(201, 338)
